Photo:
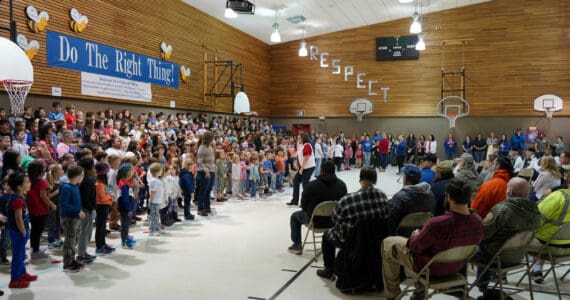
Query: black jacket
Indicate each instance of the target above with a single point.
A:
(411, 199)
(87, 192)
(326, 187)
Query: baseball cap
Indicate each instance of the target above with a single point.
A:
(444, 167)
(412, 171)
(467, 158)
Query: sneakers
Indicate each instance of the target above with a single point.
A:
(89, 256)
(292, 204)
(103, 251)
(55, 244)
(189, 217)
(326, 273)
(115, 228)
(537, 277)
(296, 249)
(4, 260)
(84, 260)
(154, 233)
(73, 267)
(128, 244)
(109, 248)
(19, 284)
(39, 255)
(29, 277)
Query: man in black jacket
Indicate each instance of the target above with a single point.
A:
(415, 196)
(327, 187)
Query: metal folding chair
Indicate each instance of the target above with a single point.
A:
(324, 209)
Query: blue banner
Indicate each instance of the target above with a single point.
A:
(68, 52)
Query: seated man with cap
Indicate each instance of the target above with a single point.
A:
(443, 173)
(466, 171)
(426, 163)
(415, 196)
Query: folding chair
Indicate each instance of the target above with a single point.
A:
(414, 221)
(526, 174)
(545, 253)
(442, 284)
(324, 209)
(517, 241)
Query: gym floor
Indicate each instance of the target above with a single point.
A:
(240, 253)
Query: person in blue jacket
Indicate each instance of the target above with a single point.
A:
(504, 146)
(71, 213)
(186, 182)
(401, 146)
(367, 150)
(518, 141)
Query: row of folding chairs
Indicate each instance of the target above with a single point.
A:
(459, 282)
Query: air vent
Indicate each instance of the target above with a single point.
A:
(296, 19)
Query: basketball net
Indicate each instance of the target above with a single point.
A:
(359, 116)
(549, 112)
(452, 118)
(17, 91)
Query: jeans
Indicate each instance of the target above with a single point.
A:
(298, 218)
(253, 187)
(134, 206)
(449, 155)
(367, 159)
(384, 160)
(18, 254)
(483, 257)
(337, 162)
(38, 225)
(479, 155)
(85, 230)
(4, 238)
(53, 222)
(318, 162)
(279, 181)
(300, 178)
(100, 225)
(400, 162)
(125, 223)
(154, 217)
(70, 230)
(206, 185)
(187, 204)
(378, 161)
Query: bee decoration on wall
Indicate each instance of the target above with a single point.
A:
(184, 74)
(31, 48)
(166, 51)
(78, 21)
(36, 21)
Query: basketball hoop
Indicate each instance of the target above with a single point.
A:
(452, 118)
(359, 115)
(549, 111)
(17, 91)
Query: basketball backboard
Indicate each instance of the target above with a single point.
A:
(14, 63)
(452, 108)
(241, 103)
(548, 103)
(361, 107)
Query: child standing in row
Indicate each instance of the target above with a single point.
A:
(53, 223)
(39, 205)
(173, 191)
(124, 176)
(71, 214)
(19, 229)
(358, 155)
(237, 189)
(221, 174)
(156, 189)
(253, 176)
(186, 183)
(104, 201)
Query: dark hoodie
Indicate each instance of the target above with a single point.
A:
(186, 182)
(410, 199)
(326, 187)
(508, 218)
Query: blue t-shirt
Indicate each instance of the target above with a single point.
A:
(401, 149)
(428, 175)
(367, 146)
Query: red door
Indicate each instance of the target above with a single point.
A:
(306, 128)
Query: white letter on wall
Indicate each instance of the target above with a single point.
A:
(314, 50)
(370, 83)
(348, 70)
(324, 59)
(336, 67)
(359, 80)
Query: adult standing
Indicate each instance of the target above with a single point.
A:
(491, 144)
(450, 146)
(319, 155)
(479, 148)
(206, 173)
(306, 163)
(518, 141)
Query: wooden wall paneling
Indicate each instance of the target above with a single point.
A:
(509, 59)
(140, 27)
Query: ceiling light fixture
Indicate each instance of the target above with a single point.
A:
(406, 1)
(416, 24)
(421, 45)
(303, 49)
(230, 13)
(275, 35)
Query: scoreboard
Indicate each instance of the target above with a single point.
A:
(397, 48)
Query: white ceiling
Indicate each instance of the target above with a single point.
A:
(322, 16)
